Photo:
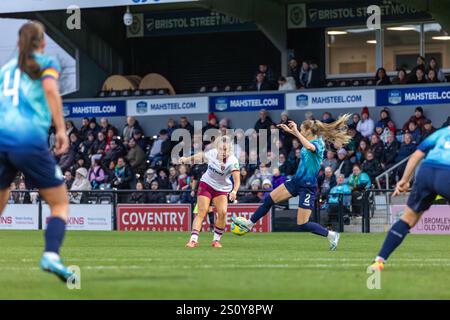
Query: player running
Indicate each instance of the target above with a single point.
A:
(215, 185)
(433, 178)
(29, 98)
(304, 184)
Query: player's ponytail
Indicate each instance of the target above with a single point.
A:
(31, 35)
(335, 132)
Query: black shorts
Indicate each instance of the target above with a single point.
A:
(430, 182)
(38, 166)
(306, 194)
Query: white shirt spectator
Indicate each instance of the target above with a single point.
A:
(288, 85)
(366, 127)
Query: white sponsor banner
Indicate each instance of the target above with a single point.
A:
(9, 6)
(20, 217)
(154, 107)
(330, 99)
(84, 217)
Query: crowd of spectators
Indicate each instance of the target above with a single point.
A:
(103, 157)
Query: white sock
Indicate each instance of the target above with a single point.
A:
(378, 258)
(250, 223)
(217, 237)
(52, 255)
(194, 237)
(331, 235)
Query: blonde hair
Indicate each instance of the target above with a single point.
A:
(335, 132)
(224, 139)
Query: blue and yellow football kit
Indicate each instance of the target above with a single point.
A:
(433, 177)
(304, 182)
(24, 125)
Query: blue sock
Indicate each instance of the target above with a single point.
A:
(395, 236)
(54, 234)
(314, 228)
(263, 209)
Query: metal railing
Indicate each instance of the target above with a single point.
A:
(386, 173)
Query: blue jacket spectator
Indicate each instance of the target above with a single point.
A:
(359, 180)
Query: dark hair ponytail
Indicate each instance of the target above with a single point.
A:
(31, 35)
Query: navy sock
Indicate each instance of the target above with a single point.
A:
(395, 236)
(314, 228)
(54, 234)
(263, 209)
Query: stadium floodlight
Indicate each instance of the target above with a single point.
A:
(372, 41)
(336, 32)
(401, 28)
(444, 38)
(128, 18)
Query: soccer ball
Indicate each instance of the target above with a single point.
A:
(235, 229)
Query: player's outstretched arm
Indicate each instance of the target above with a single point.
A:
(196, 158)
(51, 90)
(305, 142)
(413, 162)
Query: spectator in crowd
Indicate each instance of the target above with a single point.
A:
(127, 132)
(371, 166)
(327, 117)
(68, 179)
(428, 129)
(116, 151)
(330, 160)
(70, 128)
(184, 183)
(277, 178)
(344, 166)
(366, 126)
(93, 127)
(326, 181)
(355, 121)
(432, 77)
(111, 133)
(150, 176)
(340, 192)
(160, 151)
(171, 126)
(308, 76)
(360, 153)
(83, 132)
(173, 177)
(81, 183)
(110, 176)
(390, 151)
(285, 137)
(244, 179)
(260, 84)
(294, 71)
(284, 167)
(309, 115)
(96, 174)
(353, 144)
(419, 78)
(292, 157)
(382, 133)
(264, 121)
(406, 149)
(359, 182)
(99, 145)
(136, 157)
(22, 197)
(377, 147)
(401, 78)
(104, 125)
(86, 147)
(286, 84)
(185, 124)
(414, 131)
(212, 123)
(254, 196)
(163, 179)
(385, 117)
(123, 175)
(433, 65)
(262, 173)
(139, 139)
(156, 196)
(381, 78)
(267, 73)
(412, 77)
(138, 196)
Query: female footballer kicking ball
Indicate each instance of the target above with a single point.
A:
(215, 185)
(304, 184)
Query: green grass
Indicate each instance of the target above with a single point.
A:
(144, 265)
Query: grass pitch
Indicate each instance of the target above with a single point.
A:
(144, 265)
